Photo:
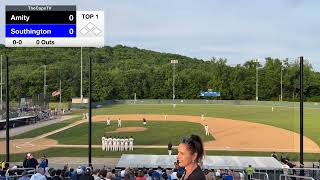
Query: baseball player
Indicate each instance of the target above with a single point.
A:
(114, 144)
(103, 143)
(106, 143)
(108, 121)
(202, 117)
(126, 143)
(131, 143)
(109, 144)
(144, 121)
(119, 122)
(206, 128)
(118, 144)
(121, 144)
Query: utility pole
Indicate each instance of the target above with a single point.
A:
(81, 95)
(44, 85)
(257, 80)
(60, 95)
(7, 112)
(301, 110)
(174, 62)
(281, 95)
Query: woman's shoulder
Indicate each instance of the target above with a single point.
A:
(197, 174)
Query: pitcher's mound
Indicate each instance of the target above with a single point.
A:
(129, 129)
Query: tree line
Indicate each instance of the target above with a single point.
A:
(119, 72)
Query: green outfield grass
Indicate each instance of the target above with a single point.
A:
(283, 117)
(97, 152)
(156, 133)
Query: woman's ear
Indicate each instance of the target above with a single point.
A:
(194, 157)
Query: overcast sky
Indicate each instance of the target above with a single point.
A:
(233, 29)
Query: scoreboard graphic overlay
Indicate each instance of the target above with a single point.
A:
(53, 26)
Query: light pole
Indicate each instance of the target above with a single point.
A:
(174, 62)
(281, 95)
(44, 85)
(81, 95)
(257, 80)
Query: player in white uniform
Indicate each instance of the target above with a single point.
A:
(118, 144)
(202, 117)
(103, 143)
(206, 128)
(108, 121)
(131, 143)
(106, 143)
(119, 122)
(126, 143)
(144, 121)
(109, 141)
(114, 144)
(121, 144)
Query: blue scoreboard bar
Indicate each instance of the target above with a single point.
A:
(41, 30)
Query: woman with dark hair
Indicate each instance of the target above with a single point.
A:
(190, 153)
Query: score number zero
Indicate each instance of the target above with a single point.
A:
(71, 18)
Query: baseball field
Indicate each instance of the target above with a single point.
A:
(234, 130)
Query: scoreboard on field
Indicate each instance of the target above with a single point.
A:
(53, 26)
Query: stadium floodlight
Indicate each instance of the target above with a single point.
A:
(174, 62)
(44, 85)
(81, 94)
(257, 79)
(281, 93)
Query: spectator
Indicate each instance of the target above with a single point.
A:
(274, 155)
(285, 168)
(57, 175)
(103, 174)
(44, 162)
(52, 173)
(165, 176)
(24, 176)
(174, 174)
(179, 176)
(140, 176)
(235, 175)
(170, 148)
(210, 175)
(95, 174)
(65, 175)
(301, 170)
(40, 175)
(31, 162)
(87, 175)
(110, 176)
(150, 172)
(190, 153)
(24, 164)
(249, 170)
(156, 175)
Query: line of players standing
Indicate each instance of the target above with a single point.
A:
(117, 144)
